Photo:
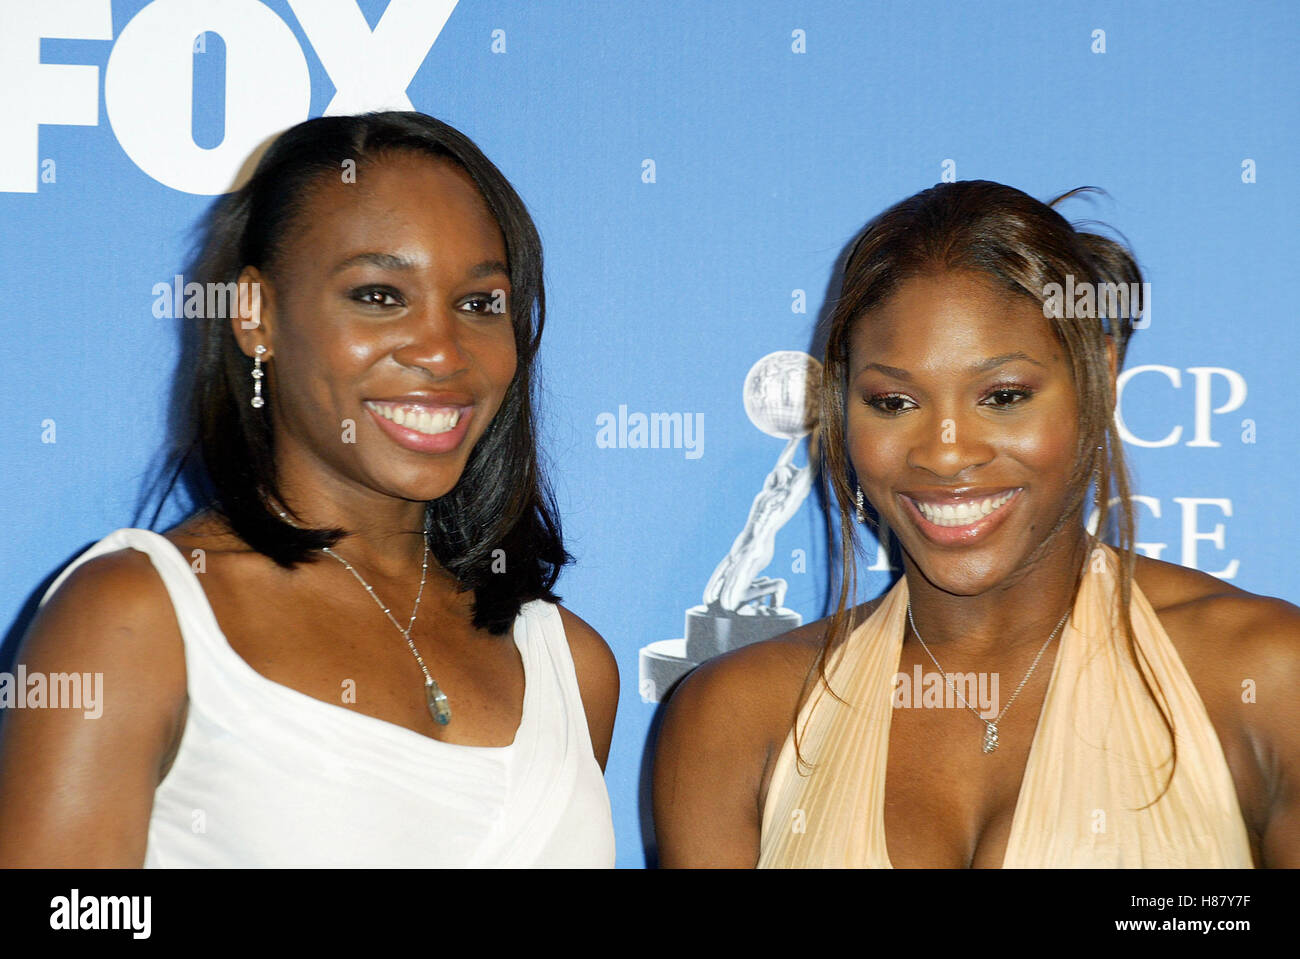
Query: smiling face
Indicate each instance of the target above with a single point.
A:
(389, 308)
(962, 426)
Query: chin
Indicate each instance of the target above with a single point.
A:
(421, 486)
(427, 493)
(958, 575)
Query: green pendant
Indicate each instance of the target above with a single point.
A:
(437, 700)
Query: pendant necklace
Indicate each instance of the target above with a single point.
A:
(434, 697)
(990, 728)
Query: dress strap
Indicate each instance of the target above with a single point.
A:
(206, 651)
(828, 811)
(1094, 788)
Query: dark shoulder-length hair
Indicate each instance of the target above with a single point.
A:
(497, 531)
(1022, 245)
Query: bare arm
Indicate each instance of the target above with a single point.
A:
(1276, 726)
(707, 772)
(597, 681)
(721, 735)
(77, 790)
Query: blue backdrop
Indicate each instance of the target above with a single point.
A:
(695, 170)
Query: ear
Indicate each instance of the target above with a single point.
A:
(252, 319)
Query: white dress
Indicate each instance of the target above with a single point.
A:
(268, 776)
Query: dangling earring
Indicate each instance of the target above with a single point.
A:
(257, 401)
(858, 503)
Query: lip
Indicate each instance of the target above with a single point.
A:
(422, 442)
(958, 535)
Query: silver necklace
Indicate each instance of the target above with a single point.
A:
(434, 697)
(990, 728)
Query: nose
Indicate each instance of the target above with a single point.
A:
(948, 445)
(432, 341)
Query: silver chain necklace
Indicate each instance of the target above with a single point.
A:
(434, 697)
(990, 728)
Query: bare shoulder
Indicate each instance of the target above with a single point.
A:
(1242, 652)
(755, 688)
(113, 615)
(1210, 620)
(113, 594)
(722, 732)
(64, 772)
(743, 704)
(587, 644)
(592, 658)
(763, 681)
(598, 682)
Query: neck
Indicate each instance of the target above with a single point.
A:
(1020, 611)
(384, 534)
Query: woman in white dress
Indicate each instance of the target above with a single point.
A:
(350, 654)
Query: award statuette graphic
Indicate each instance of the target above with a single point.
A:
(782, 394)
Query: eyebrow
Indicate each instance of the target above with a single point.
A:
(993, 362)
(391, 261)
(489, 268)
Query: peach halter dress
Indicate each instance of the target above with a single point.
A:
(1100, 752)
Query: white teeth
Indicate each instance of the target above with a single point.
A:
(962, 514)
(420, 420)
